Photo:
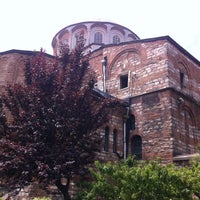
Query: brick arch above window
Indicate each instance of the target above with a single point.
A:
(126, 60)
(184, 75)
(187, 128)
(187, 109)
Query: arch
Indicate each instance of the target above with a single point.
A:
(123, 55)
(187, 129)
(116, 36)
(98, 33)
(188, 109)
(115, 28)
(108, 29)
(136, 146)
(99, 24)
(184, 75)
(132, 37)
(98, 38)
(62, 33)
(79, 27)
(183, 66)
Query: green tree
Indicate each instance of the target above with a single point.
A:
(56, 114)
(135, 180)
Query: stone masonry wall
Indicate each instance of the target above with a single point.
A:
(185, 124)
(115, 123)
(154, 70)
(185, 96)
(145, 64)
(154, 123)
(12, 68)
(163, 88)
(179, 63)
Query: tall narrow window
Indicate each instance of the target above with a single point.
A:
(188, 139)
(182, 79)
(106, 139)
(98, 38)
(115, 139)
(123, 81)
(116, 39)
(189, 134)
(136, 146)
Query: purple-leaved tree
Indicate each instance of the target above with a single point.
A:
(55, 115)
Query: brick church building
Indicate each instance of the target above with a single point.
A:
(157, 78)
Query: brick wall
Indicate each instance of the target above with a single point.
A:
(161, 82)
(12, 67)
(160, 74)
(163, 89)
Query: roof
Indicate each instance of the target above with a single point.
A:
(23, 52)
(85, 23)
(168, 38)
(102, 94)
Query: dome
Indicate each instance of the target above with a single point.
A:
(94, 33)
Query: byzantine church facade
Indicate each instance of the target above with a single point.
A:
(157, 78)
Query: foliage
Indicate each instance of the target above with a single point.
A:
(142, 181)
(41, 198)
(55, 118)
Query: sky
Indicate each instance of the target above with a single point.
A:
(32, 24)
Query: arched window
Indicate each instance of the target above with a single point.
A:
(136, 146)
(187, 139)
(116, 39)
(182, 78)
(106, 139)
(189, 131)
(115, 140)
(98, 38)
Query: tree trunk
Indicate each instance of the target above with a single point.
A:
(64, 189)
